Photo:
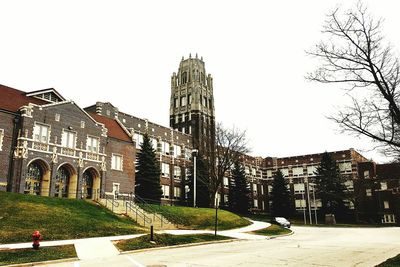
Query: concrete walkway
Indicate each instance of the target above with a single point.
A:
(102, 247)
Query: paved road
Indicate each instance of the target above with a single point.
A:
(307, 247)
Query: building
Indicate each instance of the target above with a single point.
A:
(50, 146)
(173, 148)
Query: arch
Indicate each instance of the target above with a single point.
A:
(37, 178)
(184, 77)
(90, 183)
(72, 181)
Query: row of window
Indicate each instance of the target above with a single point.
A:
(165, 146)
(41, 133)
(166, 193)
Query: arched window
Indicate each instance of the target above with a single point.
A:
(184, 77)
(62, 181)
(33, 179)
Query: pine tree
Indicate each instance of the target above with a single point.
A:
(148, 173)
(329, 186)
(202, 184)
(282, 204)
(239, 190)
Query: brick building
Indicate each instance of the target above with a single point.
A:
(50, 146)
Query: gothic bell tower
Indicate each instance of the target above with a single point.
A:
(192, 104)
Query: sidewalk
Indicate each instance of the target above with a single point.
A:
(100, 247)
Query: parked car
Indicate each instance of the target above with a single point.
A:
(281, 221)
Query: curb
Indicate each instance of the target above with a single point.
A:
(276, 236)
(43, 262)
(181, 246)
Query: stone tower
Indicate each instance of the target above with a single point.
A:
(192, 104)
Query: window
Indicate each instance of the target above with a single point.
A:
(311, 170)
(154, 143)
(368, 192)
(269, 173)
(184, 77)
(285, 172)
(386, 204)
(297, 171)
(177, 192)
(116, 162)
(366, 174)
(253, 171)
(255, 188)
(165, 169)
(300, 203)
(138, 139)
(226, 182)
(190, 99)
(83, 124)
(177, 172)
(255, 203)
(190, 129)
(247, 170)
(41, 133)
(92, 144)
(183, 101)
(318, 203)
(298, 188)
(1, 139)
(349, 185)
(68, 139)
(165, 191)
(57, 117)
(383, 186)
(176, 119)
(183, 130)
(176, 102)
(345, 167)
(269, 188)
(262, 189)
(165, 148)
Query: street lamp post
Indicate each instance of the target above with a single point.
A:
(308, 201)
(216, 213)
(304, 208)
(315, 205)
(194, 153)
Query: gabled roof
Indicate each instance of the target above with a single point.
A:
(114, 129)
(51, 93)
(12, 99)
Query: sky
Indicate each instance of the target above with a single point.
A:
(125, 52)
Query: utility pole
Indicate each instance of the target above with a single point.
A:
(194, 153)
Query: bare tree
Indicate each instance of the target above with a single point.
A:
(355, 54)
(231, 144)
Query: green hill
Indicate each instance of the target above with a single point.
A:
(57, 219)
(198, 218)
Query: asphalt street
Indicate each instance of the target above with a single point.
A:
(309, 246)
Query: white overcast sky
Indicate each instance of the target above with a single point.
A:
(124, 52)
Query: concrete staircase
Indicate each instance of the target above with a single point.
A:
(139, 215)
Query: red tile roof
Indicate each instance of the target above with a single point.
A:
(114, 129)
(12, 99)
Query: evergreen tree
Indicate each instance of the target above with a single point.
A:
(148, 172)
(329, 186)
(239, 190)
(202, 184)
(282, 204)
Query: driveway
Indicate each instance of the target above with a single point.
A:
(309, 246)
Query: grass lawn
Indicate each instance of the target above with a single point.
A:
(162, 240)
(272, 230)
(392, 262)
(57, 219)
(199, 218)
(15, 256)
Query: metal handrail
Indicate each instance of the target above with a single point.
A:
(114, 203)
(151, 209)
(132, 207)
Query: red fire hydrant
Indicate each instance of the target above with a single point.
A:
(36, 237)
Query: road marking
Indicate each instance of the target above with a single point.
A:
(135, 262)
(76, 264)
